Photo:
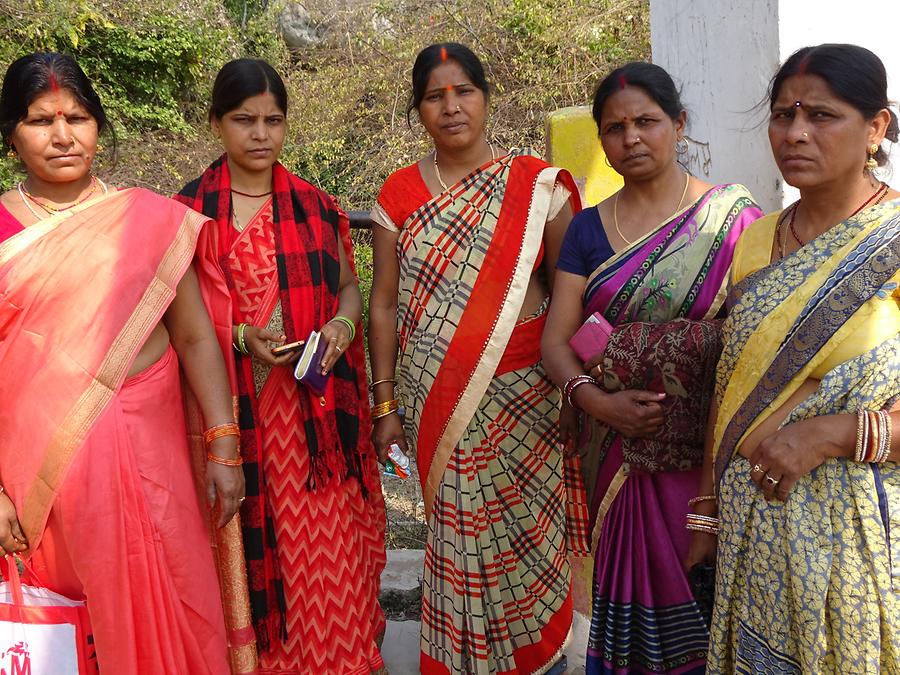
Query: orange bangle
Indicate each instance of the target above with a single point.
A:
(224, 462)
(221, 430)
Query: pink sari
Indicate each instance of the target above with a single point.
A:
(99, 465)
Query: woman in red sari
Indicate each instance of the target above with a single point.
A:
(104, 308)
(313, 521)
(466, 242)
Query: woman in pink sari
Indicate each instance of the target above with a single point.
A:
(105, 344)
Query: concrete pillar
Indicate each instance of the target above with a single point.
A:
(723, 54)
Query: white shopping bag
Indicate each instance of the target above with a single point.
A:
(41, 632)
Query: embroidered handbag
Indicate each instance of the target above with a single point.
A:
(679, 358)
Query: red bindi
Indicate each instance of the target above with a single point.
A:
(59, 112)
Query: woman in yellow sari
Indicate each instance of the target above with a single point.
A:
(108, 298)
(804, 461)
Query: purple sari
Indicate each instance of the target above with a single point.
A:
(644, 618)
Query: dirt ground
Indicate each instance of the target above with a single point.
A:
(405, 510)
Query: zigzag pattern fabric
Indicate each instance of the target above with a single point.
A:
(329, 542)
(330, 553)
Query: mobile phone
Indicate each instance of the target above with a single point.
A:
(289, 347)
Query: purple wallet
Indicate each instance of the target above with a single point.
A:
(309, 366)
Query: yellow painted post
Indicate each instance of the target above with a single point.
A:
(572, 144)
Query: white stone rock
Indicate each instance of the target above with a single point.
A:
(403, 571)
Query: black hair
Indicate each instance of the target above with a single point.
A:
(855, 75)
(433, 56)
(240, 79)
(34, 74)
(652, 79)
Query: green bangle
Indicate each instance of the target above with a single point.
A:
(241, 345)
(347, 322)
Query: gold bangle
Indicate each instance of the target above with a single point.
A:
(392, 380)
(384, 414)
(221, 430)
(701, 498)
(386, 406)
(223, 461)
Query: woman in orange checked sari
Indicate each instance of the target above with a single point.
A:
(101, 315)
(313, 521)
(461, 272)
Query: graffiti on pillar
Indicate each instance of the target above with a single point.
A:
(696, 158)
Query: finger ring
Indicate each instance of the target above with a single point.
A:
(772, 481)
(241, 500)
(599, 374)
(334, 339)
(757, 468)
(338, 348)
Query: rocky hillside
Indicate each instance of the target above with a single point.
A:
(347, 65)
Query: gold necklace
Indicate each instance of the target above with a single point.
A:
(687, 181)
(437, 171)
(875, 197)
(49, 208)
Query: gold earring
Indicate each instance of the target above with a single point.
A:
(99, 147)
(871, 162)
(12, 154)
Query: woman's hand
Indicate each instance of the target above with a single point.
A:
(259, 342)
(337, 335)
(796, 449)
(702, 550)
(387, 430)
(12, 539)
(225, 484)
(568, 429)
(634, 413)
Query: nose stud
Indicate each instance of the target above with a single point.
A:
(458, 109)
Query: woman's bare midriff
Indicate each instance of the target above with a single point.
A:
(153, 350)
(773, 421)
(534, 295)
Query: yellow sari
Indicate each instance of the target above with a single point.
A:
(812, 584)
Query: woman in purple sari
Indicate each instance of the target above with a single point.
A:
(652, 255)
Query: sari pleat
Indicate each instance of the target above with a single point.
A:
(153, 608)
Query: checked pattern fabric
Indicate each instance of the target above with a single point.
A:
(496, 595)
(496, 574)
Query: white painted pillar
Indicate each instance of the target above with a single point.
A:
(724, 52)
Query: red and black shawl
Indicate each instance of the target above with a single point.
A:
(309, 227)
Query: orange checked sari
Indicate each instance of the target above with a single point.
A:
(106, 471)
(504, 508)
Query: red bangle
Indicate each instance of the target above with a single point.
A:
(221, 430)
(224, 462)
